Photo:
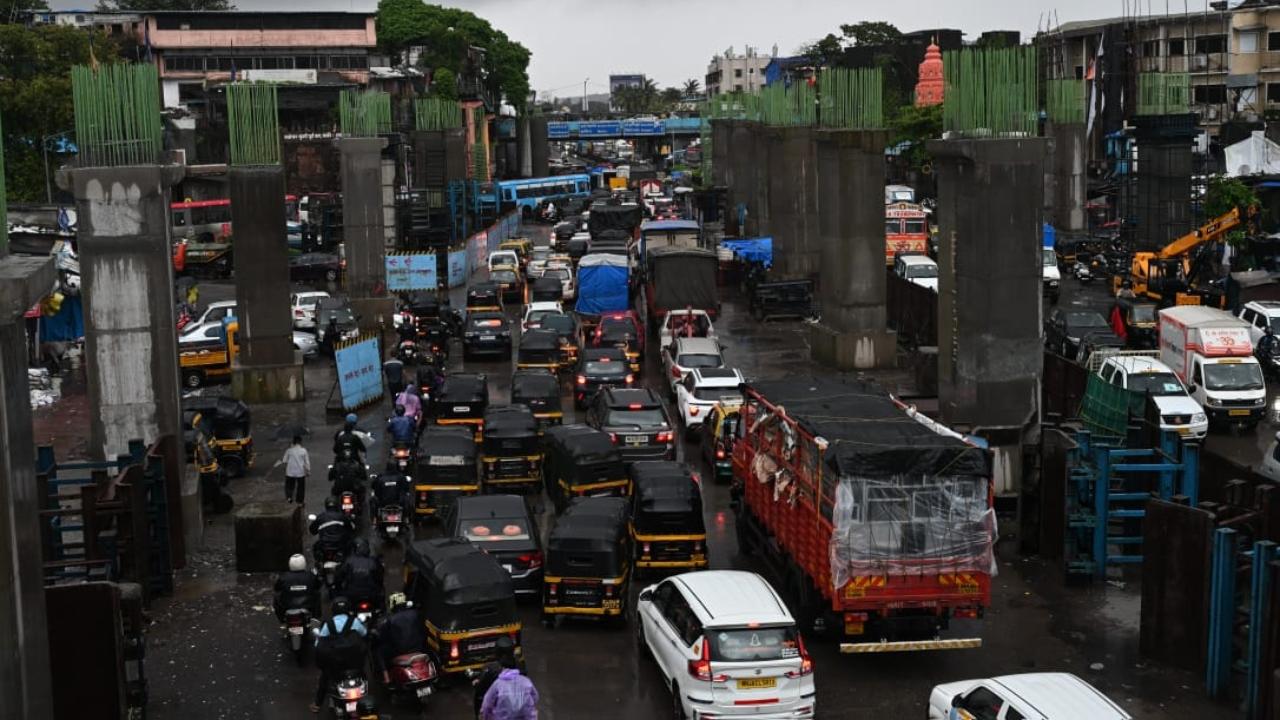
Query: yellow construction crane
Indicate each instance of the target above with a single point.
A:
(1154, 275)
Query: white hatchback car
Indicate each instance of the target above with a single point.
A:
(1030, 696)
(535, 311)
(685, 354)
(304, 308)
(726, 646)
(564, 274)
(702, 390)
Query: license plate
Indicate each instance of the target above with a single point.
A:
(296, 630)
(1184, 431)
(757, 683)
(424, 692)
(611, 604)
(351, 707)
(488, 337)
(461, 408)
(1237, 413)
(637, 439)
(393, 529)
(969, 588)
(853, 628)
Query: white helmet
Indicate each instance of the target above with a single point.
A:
(297, 563)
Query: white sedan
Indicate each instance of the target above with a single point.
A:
(1031, 696)
(702, 390)
(304, 308)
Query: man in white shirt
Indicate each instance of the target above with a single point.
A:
(297, 467)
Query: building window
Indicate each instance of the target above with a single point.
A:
(1151, 48)
(1273, 41)
(1210, 44)
(304, 62)
(737, 72)
(1273, 93)
(1177, 46)
(1209, 94)
(268, 63)
(1079, 72)
(184, 63)
(737, 87)
(1247, 41)
(79, 19)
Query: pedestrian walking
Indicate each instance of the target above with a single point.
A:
(511, 697)
(297, 467)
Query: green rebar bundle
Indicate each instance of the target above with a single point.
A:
(117, 109)
(364, 113)
(792, 105)
(479, 162)
(436, 114)
(990, 92)
(852, 99)
(253, 123)
(1064, 100)
(1164, 93)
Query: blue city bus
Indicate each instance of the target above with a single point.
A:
(529, 193)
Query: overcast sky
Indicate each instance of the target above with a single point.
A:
(672, 40)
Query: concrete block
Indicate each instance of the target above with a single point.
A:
(856, 350)
(269, 383)
(267, 533)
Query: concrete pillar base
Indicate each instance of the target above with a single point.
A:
(269, 383)
(854, 350)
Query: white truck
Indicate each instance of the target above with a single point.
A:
(1211, 353)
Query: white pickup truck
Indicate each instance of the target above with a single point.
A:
(697, 322)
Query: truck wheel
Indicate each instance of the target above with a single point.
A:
(192, 379)
(233, 465)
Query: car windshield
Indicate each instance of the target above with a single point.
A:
(537, 316)
(754, 644)
(1275, 324)
(342, 315)
(640, 419)
(1086, 320)
(1142, 314)
(502, 276)
(541, 254)
(1048, 257)
(1156, 384)
(922, 270)
(560, 274)
(556, 321)
(698, 360)
(310, 300)
(604, 367)
(489, 530)
(718, 394)
(617, 332)
(1233, 376)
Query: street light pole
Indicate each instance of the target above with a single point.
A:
(584, 94)
(48, 185)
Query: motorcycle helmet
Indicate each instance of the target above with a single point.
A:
(362, 547)
(340, 606)
(331, 503)
(351, 421)
(297, 563)
(395, 601)
(399, 409)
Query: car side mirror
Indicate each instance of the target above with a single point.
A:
(957, 700)
(1191, 387)
(647, 595)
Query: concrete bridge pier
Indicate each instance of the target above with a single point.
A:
(792, 180)
(364, 231)
(1064, 177)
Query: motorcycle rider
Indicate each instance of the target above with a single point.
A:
(339, 647)
(349, 437)
(1266, 345)
(361, 577)
(389, 488)
(401, 427)
(347, 474)
(429, 375)
(400, 634)
(333, 531)
(298, 588)
(412, 403)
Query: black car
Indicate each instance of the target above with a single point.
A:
(339, 312)
(315, 266)
(486, 333)
(600, 368)
(1064, 329)
(510, 281)
(636, 421)
(570, 332)
(501, 526)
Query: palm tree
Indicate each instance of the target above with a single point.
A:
(692, 87)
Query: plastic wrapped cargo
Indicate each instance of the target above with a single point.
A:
(602, 284)
(609, 216)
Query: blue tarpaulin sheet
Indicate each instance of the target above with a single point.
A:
(602, 284)
(67, 325)
(752, 249)
(1050, 235)
(359, 373)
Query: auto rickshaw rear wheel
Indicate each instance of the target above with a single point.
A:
(233, 465)
(192, 378)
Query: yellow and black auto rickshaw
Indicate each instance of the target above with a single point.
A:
(540, 349)
(511, 452)
(445, 468)
(666, 517)
(225, 422)
(582, 461)
(484, 296)
(462, 400)
(467, 602)
(538, 390)
(1138, 318)
(588, 570)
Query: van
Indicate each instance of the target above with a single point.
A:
(1212, 354)
(919, 269)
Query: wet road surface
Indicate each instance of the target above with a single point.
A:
(215, 649)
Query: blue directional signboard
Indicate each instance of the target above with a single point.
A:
(599, 128)
(557, 130)
(643, 127)
(359, 372)
(411, 271)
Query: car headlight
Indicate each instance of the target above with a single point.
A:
(1053, 283)
(1260, 402)
(1211, 402)
(1199, 418)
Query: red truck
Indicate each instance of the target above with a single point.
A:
(878, 522)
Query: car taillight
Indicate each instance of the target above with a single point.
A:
(719, 453)
(646, 548)
(608, 591)
(630, 378)
(613, 438)
(453, 651)
(806, 662)
(694, 410)
(352, 693)
(665, 437)
(298, 313)
(675, 371)
(697, 546)
(551, 588)
(582, 379)
(700, 669)
(531, 560)
(364, 605)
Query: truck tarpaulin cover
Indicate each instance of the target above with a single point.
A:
(602, 284)
(910, 494)
(683, 277)
(607, 216)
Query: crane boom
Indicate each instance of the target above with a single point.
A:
(1208, 232)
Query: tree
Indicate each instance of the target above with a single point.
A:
(154, 5)
(1225, 194)
(671, 97)
(692, 87)
(447, 36)
(823, 53)
(444, 84)
(869, 32)
(35, 97)
(13, 10)
(914, 125)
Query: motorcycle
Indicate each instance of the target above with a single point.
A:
(407, 351)
(331, 558)
(391, 523)
(349, 503)
(366, 611)
(1082, 273)
(1269, 358)
(413, 675)
(296, 621)
(401, 456)
(350, 697)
